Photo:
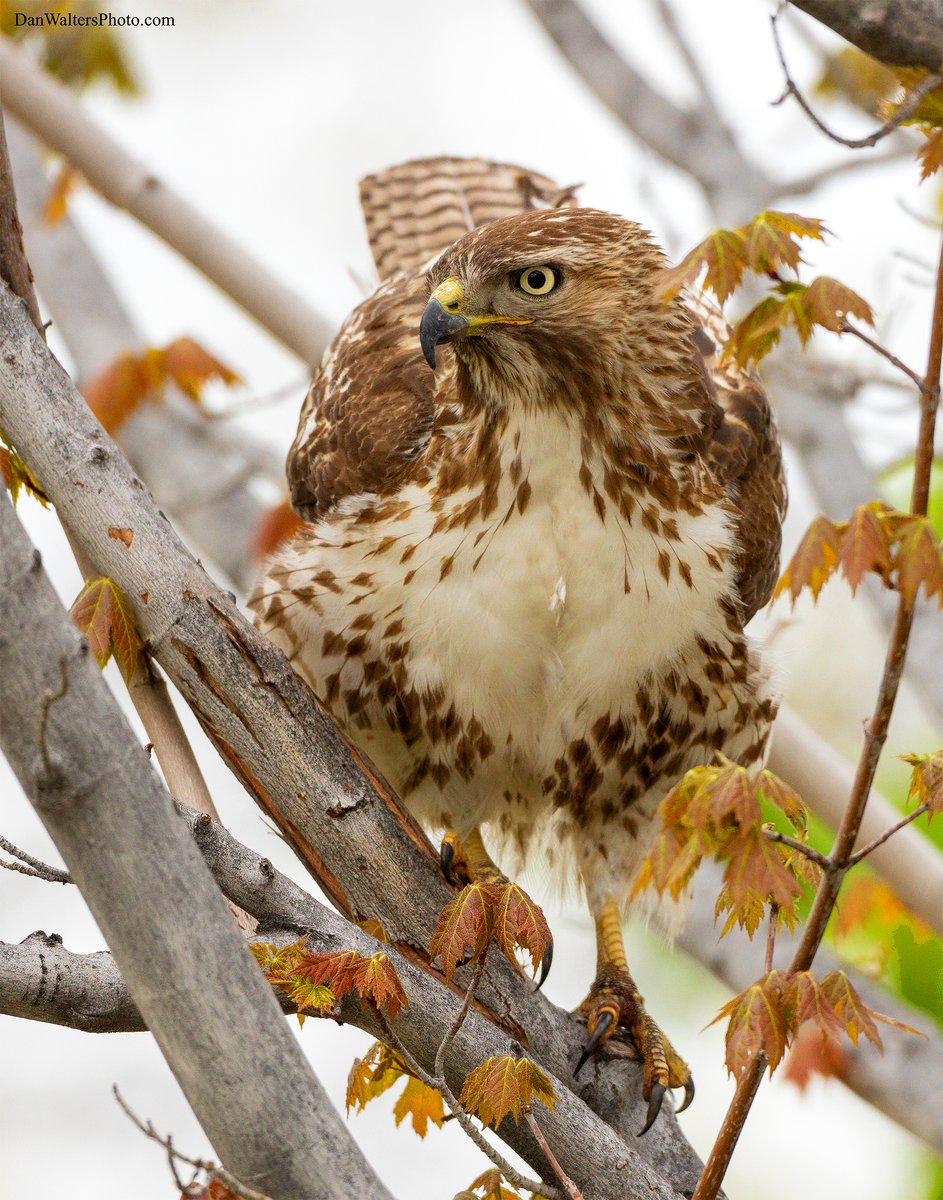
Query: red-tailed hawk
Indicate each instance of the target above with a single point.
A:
(527, 572)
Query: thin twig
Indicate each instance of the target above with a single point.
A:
(847, 327)
(810, 852)
(28, 865)
(210, 1169)
(568, 1185)
(879, 841)
(903, 112)
(771, 938)
(460, 1017)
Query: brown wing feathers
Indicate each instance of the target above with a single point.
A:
(369, 413)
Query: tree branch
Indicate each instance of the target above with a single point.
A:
(902, 32)
(28, 865)
(332, 807)
(696, 139)
(52, 112)
(902, 112)
(94, 789)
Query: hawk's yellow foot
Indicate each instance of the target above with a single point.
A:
(613, 1003)
(467, 861)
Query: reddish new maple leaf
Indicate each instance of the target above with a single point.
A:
(466, 924)
(503, 1086)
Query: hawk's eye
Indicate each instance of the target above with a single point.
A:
(537, 281)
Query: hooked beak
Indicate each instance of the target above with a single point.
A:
(445, 319)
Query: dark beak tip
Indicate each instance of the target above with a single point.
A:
(437, 325)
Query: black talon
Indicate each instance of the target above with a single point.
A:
(446, 854)
(654, 1107)
(595, 1039)
(545, 962)
(688, 1095)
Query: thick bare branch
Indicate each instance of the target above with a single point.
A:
(53, 113)
(696, 139)
(93, 787)
(904, 32)
(284, 910)
(332, 807)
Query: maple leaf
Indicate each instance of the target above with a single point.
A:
(117, 390)
(281, 968)
(520, 922)
(770, 239)
(18, 477)
(277, 525)
(815, 559)
(812, 1054)
(372, 1075)
(670, 863)
(421, 1104)
(855, 1018)
(770, 787)
(373, 978)
(930, 154)
(375, 1073)
(191, 367)
(758, 1021)
(466, 923)
(747, 914)
(811, 1003)
(917, 559)
(926, 780)
(866, 545)
(756, 870)
(502, 1086)
(756, 334)
(721, 254)
(491, 1186)
(133, 379)
(830, 303)
(374, 928)
(103, 614)
(731, 797)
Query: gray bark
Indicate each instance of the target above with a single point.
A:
(198, 989)
(903, 32)
(333, 808)
(40, 979)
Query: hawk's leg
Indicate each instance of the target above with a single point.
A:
(613, 1002)
(466, 861)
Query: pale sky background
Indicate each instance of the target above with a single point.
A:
(265, 113)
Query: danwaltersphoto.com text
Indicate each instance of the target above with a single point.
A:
(65, 19)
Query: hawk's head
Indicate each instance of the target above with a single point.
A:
(558, 304)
